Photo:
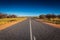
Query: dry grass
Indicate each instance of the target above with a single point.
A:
(7, 22)
(53, 22)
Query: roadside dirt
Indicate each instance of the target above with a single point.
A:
(51, 24)
(2, 27)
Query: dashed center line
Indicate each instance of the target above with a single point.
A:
(34, 38)
(31, 36)
(30, 30)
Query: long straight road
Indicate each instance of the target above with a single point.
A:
(30, 29)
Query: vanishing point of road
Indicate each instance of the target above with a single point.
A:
(30, 29)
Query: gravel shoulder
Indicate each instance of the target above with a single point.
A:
(51, 24)
(4, 26)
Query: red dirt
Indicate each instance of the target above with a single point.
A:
(4, 26)
(51, 24)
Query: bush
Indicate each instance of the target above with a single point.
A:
(57, 22)
(42, 16)
(2, 15)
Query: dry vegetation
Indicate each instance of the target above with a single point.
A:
(51, 18)
(9, 20)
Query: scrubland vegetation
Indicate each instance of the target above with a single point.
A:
(51, 18)
(9, 20)
(5, 18)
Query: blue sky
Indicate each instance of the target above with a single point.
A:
(30, 7)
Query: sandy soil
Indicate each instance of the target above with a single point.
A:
(2, 27)
(51, 24)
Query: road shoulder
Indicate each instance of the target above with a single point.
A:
(2, 27)
(51, 24)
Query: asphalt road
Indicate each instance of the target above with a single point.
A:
(30, 29)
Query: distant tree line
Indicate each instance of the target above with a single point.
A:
(2, 15)
(48, 16)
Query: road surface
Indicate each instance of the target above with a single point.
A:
(30, 29)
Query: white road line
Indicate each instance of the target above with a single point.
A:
(34, 38)
(31, 36)
(30, 30)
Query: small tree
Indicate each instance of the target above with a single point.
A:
(48, 16)
(53, 16)
(11, 16)
(3, 15)
(42, 16)
(58, 16)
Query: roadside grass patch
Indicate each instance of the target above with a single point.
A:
(9, 20)
(54, 21)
